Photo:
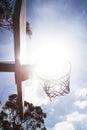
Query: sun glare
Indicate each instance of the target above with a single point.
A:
(53, 63)
(50, 54)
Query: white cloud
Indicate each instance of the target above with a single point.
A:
(83, 92)
(81, 104)
(76, 117)
(71, 121)
(64, 126)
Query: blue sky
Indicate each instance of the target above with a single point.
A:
(58, 23)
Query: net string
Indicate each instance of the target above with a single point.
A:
(62, 87)
(56, 87)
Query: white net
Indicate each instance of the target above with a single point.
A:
(56, 86)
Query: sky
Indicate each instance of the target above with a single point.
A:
(57, 26)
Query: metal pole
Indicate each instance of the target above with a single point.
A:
(19, 21)
(21, 71)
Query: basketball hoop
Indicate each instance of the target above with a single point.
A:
(56, 86)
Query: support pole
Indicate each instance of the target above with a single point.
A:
(19, 24)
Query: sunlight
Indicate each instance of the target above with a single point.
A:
(52, 51)
(53, 62)
(49, 53)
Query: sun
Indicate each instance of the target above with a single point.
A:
(53, 62)
(50, 55)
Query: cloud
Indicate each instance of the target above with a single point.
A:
(72, 121)
(81, 92)
(64, 126)
(76, 117)
(81, 104)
